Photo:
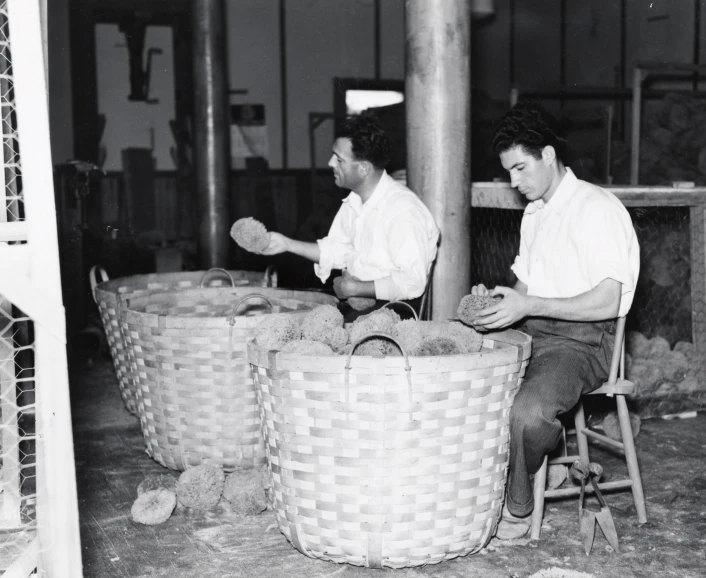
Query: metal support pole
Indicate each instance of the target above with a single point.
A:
(637, 79)
(438, 115)
(211, 131)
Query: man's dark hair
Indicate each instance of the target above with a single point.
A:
(530, 126)
(368, 141)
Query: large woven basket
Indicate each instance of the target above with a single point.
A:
(195, 394)
(389, 462)
(109, 293)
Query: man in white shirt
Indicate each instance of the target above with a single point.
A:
(383, 237)
(576, 271)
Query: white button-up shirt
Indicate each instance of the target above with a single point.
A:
(581, 237)
(391, 239)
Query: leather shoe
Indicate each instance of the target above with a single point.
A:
(512, 527)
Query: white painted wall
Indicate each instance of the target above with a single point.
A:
(131, 124)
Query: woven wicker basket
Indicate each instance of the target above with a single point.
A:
(195, 394)
(108, 295)
(390, 462)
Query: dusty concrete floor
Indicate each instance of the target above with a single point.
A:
(111, 462)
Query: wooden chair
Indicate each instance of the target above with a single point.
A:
(617, 387)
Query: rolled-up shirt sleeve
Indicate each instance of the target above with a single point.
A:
(610, 250)
(412, 247)
(335, 247)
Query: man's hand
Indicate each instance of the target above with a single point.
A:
(346, 285)
(278, 244)
(479, 289)
(513, 307)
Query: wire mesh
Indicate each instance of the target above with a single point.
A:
(14, 201)
(17, 434)
(660, 323)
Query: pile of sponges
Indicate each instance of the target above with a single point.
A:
(658, 369)
(244, 492)
(322, 332)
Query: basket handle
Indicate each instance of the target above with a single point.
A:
(407, 366)
(247, 298)
(218, 271)
(270, 278)
(416, 317)
(94, 281)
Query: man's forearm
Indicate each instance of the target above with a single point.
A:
(309, 251)
(601, 302)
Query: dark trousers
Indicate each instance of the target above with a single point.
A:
(350, 314)
(568, 360)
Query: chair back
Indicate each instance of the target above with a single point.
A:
(617, 361)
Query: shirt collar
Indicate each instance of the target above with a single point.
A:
(355, 201)
(561, 197)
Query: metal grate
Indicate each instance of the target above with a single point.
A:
(17, 435)
(12, 177)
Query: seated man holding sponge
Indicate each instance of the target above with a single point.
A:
(576, 272)
(383, 237)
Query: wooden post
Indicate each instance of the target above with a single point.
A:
(438, 109)
(636, 114)
(211, 131)
(697, 223)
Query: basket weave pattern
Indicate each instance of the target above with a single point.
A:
(389, 470)
(109, 295)
(195, 394)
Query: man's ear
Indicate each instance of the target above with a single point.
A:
(549, 155)
(365, 168)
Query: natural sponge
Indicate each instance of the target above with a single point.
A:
(307, 347)
(325, 324)
(157, 482)
(153, 507)
(201, 487)
(250, 234)
(611, 425)
(470, 305)
(467, 339)
(378, 347)
(361, 303)
(380, 321)
(646, 374)
(437, 346)
(409, 334)
(276, 330)
(246, 491)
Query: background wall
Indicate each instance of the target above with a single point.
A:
(328, 38)
(135, 124)
(60, 90)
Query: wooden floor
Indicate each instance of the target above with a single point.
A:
(111, 462)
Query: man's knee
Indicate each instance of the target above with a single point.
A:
(526, 419)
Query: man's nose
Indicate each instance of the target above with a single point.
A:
(514, 181)
(330, 162)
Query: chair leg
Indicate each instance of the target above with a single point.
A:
(581, 438)
(631, 458)
(540, 484)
